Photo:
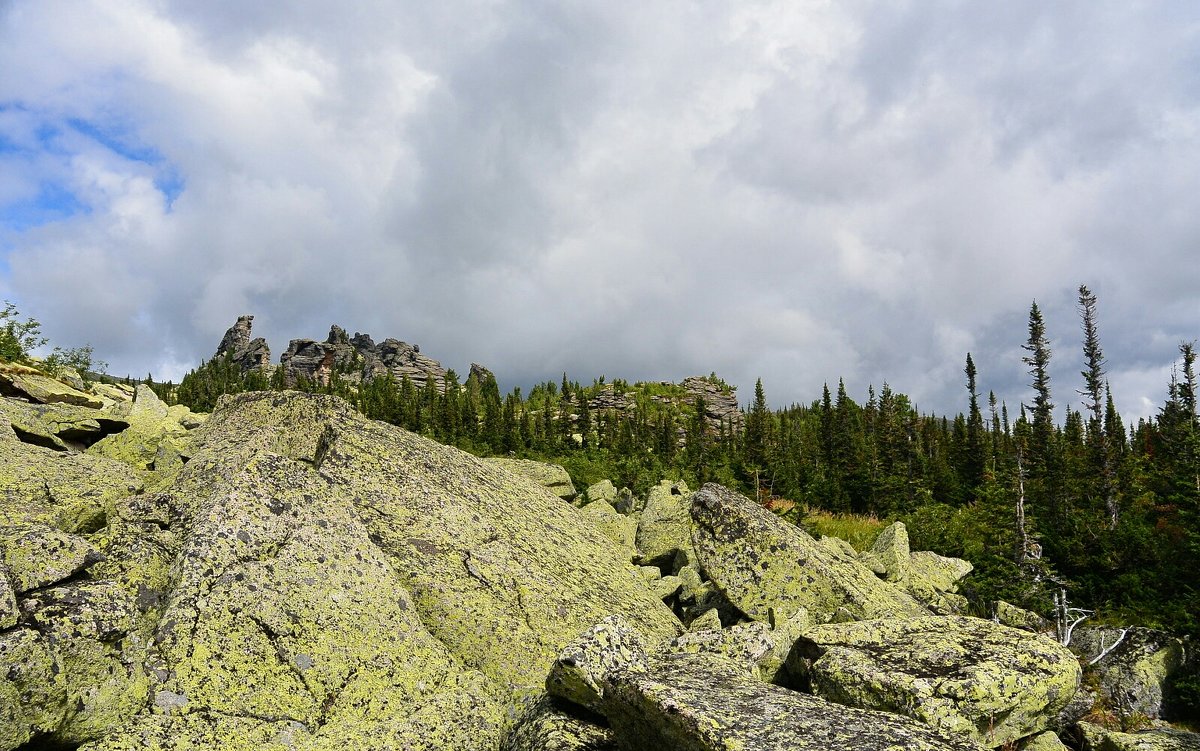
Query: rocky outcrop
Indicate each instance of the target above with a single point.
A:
(964, 676)
(767, 567)
(720, 401)
(357, 359)
(248, 354)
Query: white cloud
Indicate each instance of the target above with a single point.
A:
(792, 190)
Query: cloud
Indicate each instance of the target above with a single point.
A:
(800, 191)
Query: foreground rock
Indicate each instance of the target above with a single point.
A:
(964, 676)
(768, 567)
(1096, 738)
(500, 570)
(703, 702)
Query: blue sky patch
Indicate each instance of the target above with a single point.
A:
(52, 203)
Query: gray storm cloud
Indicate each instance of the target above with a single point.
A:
(796, 191)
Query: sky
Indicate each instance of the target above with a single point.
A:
(797, 191)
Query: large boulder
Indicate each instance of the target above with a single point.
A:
(32, 384)
(1134, 673)
(284, 617)
(62, 427)
(500, 570)
(664, 529)
(155, 441)
(37, 555)
(704, 702)
(770, 568)
(963, 676)
(552, 477)
(620, 529)
(70, 491)
(545, 725)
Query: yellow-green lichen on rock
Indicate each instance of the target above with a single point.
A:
(66, 490)
(91, 627)
(33, 384)
(620, 529)
(544, 725)
(552, 477)
(665, 528)
(764, 565)
(500, 570)
(37, 554)
(961, 675)
(283, 609)
(1096, 738)
(703, 702)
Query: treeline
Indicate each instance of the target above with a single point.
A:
(1039, 500)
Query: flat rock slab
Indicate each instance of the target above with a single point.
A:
(767, 566)
(1096, 738)
(700, 702)
(964, 676)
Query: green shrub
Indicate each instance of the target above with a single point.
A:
(18, 336)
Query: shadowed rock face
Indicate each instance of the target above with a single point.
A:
(762, 564)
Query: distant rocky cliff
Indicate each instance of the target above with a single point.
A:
(352, 358)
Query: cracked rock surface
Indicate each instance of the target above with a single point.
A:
(763, 564)
(965, 676)
(308, 579)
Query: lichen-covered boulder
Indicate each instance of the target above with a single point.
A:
(61, 427)
(933, 578)
(33, 384)
(545, 725)
(620, 529)
(66, 490)
(584, 669)
(1046, 741)
(153, 442)
(32, 687)
(91, 628)
(964, 676)
(1010, 615)
(601, 491)
(703, 702)
(500, 570)
(552, 477)
(665, 528)
(1096, 738)
(1134, 674)
(766, 566)
(285, 620)
(761, 651)
(37, 555)
(892, 552)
